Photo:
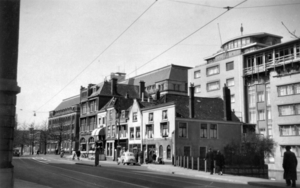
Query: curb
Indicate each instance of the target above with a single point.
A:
(272, 185)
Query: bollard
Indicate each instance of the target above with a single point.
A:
(198, 164)
(192, 163)
(187, 162)
(205, 166)
(183, 161)
(180, 161)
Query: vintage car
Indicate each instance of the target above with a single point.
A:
(127, 158)
(16, 153)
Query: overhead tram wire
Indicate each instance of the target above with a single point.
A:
(98, 55)
(262, 6)
(228, 8)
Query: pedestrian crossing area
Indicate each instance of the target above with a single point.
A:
(41, 160)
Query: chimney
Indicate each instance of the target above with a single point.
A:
(114, 86)
(143, 97)
(142, 88)
(227, 103)
(126, 95)
(191, 101)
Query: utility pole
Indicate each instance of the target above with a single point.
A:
(9, 41)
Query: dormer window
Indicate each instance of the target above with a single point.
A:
(164, 114)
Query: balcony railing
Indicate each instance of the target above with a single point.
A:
(279, 61)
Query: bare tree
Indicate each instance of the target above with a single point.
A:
(22, 136)
(59, 133)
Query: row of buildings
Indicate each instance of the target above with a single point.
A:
(158, 112)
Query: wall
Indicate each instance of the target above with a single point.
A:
(276, 170)
(236, 73)
(226, 133)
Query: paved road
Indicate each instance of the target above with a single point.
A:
(55, 172)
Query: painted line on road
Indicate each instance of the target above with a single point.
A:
(100, 177)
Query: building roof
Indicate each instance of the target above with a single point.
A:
(68, 102)
(273, 46)
(104, 88)
(205, 108)
(256, 35)
(120, 103)
(170, 72)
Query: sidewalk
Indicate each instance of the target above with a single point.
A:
(225, 177)
(26, 184)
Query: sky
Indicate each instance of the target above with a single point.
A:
(65, 44)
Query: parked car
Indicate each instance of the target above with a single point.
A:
(16, 153)
(127, 158)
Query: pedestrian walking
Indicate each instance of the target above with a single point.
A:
(97, 153)
(62, 152)
(220, 161)
(210, 157)
(290, 167)
(78, 153)
(73, 154)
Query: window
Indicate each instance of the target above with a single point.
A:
(138, 133)
(212, 70)
(269, 113)
(213, 86)
(113, 130)
(92, 106)
(99, 121)
(131, 133)
(149, 131)
(164, 129)
(230, 82)
(295, 149)
(182, 130)
(103, 120)
(260, 96)
(232, 98)
(108, 131)
(150, 117)
(197, 74)
(291, 89)
(168, 152)
(197, 89)
(251, 97)
(286, 110)
(203, 130)
(134, 116)
(252, 116)
(229, 66)
(110, 114)
(84, 108)
(261, 115)
(268, 94)
(289, 130)
(164, 114)
(213, 131)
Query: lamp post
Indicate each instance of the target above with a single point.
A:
(31, 130)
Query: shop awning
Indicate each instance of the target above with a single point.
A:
(98, 131)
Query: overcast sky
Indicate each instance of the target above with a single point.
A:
(59, 38)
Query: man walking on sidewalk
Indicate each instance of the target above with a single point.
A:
(219, 162)
(290, 167)
(210, 161)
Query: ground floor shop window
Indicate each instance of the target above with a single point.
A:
(161, 151)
